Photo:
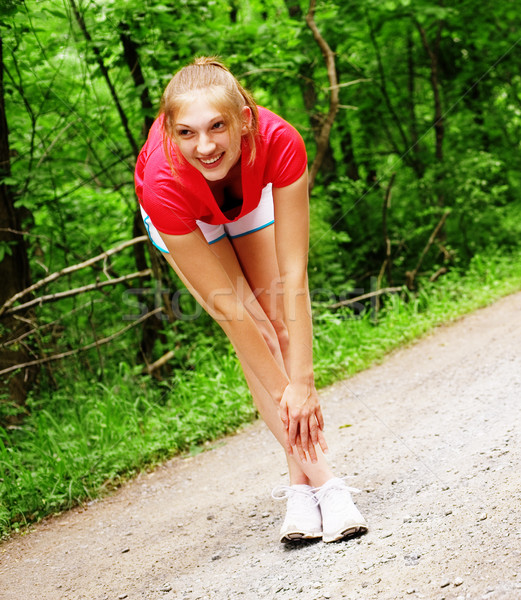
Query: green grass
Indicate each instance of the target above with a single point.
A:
(85, 438)
(345, 344)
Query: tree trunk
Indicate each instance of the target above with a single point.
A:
(130, 51)
(152, 328)
(14, 273)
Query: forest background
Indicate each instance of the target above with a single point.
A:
(411, 112)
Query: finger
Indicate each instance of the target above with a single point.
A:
(283, 414)
(285, 441)
(300, 449)
(312, 453)
(304, 433)
(313, 429)
(320, 417)
(292, 432)
(322, 442)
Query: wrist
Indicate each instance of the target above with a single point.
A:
(301, 379)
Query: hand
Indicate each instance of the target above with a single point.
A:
(301, 415)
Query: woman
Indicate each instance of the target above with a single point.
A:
(223, 190)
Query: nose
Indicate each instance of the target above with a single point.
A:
(205, 145)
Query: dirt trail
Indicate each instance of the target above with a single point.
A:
(434, 445)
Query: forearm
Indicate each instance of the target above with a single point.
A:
(297, 311)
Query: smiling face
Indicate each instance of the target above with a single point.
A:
(206, 139)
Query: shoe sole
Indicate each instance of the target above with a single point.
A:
(348, 532)
(298, 535)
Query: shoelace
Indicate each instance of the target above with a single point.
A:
(285, 491)
(320, 493)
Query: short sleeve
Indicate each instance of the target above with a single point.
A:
(166, 216)
(287, 157)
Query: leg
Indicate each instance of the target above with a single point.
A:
(314, 474)
(303, 518)
(263, 276)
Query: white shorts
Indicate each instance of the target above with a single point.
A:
(258, 218)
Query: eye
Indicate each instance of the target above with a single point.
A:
(219, 125)
(184, 132)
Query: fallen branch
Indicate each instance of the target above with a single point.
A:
(95, 344)
(54, 276)
(388, 290)
(441, 271)
(45, 326)
(86, 288)
(160, 361)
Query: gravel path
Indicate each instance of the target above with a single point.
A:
(433, 442)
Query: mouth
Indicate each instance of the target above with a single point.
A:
(211, 162)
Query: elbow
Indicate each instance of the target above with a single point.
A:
(295, 278)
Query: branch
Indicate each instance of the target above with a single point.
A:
(329, 56)
(347, 84)
(45, 326)
(389, 290)
(441, 271)
(385, 93)
(8, 303)
(105, 340)
(386, 265)
(160, 362)
(411, 275)
(439, 126)
(76, 291)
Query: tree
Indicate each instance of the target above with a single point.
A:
(14, 271)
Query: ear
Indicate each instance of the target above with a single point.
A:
(246, 120)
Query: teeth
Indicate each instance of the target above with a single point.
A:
(211, 160)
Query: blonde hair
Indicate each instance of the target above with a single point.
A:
(208, 76)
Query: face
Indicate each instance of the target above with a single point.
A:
(205, 140)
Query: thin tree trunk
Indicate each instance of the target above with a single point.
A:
(325, 130)
(439, 125)
(130, 52)
(105, 73)
(413, 127)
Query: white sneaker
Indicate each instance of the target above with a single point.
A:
(340, 517)
(303, 520)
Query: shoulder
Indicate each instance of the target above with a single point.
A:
(272, 125)
(283, 148)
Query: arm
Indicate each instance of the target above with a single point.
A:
(300, 408)
(205, 274)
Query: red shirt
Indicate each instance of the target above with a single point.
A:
(173, 203)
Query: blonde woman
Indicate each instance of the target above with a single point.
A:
(223, 190)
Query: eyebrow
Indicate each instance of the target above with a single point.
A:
(211, 122)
